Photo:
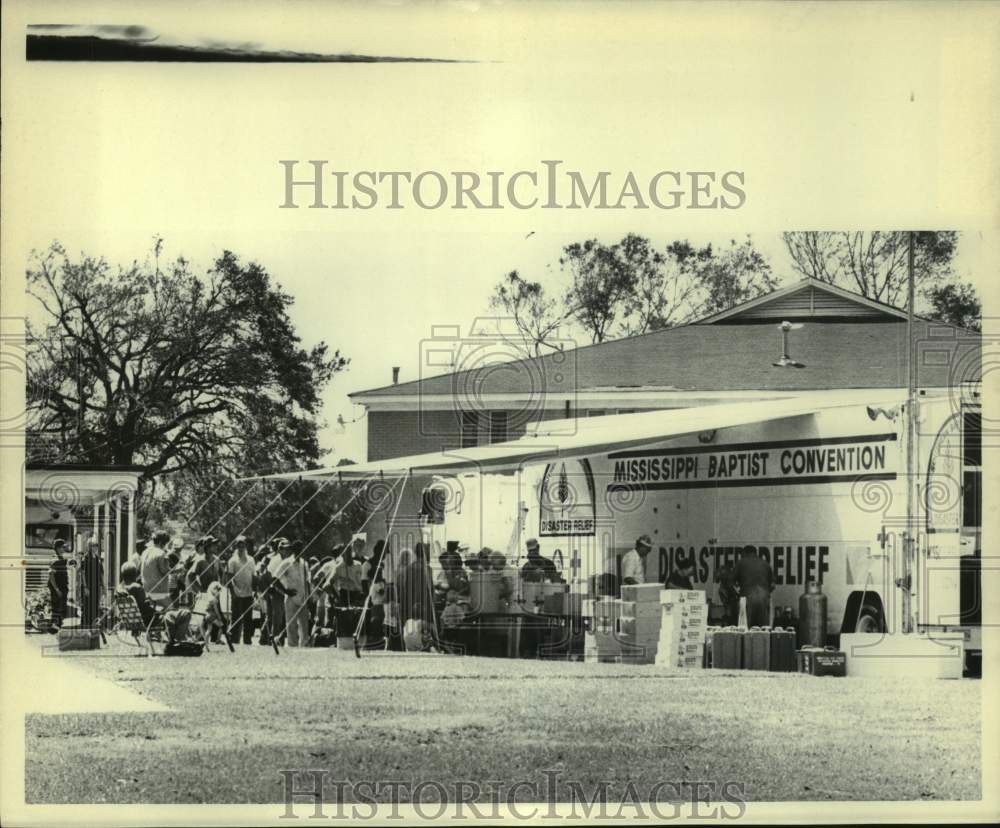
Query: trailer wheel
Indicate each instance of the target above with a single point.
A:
(869, 620)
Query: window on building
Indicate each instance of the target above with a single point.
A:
(972, 472)
(498, 426)
(596, 412)
(628, 410)
(470, 429)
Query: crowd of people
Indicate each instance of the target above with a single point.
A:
(245, 591)
(272, 593)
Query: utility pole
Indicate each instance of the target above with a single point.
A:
(910, 542)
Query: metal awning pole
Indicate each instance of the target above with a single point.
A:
(910, 542)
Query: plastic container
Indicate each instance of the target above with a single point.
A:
(812, 617)
(484, 592)
(783, 651)
(757, 649)
(727, 648)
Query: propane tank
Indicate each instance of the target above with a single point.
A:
(812, 616)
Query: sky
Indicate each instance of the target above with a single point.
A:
(105, 157)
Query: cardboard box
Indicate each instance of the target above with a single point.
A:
(639, 626)
(638, 609)
(682, 596)
(686, 611)
(638, 654)
(642, 593)
(607, 608)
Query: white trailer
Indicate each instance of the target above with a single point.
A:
(816, 482)
(823, 497)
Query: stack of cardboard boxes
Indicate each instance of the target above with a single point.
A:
(683, 627)
(639, 623)
(648, 625)
(602, 643)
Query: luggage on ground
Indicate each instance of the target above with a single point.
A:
(183, 648)
(822, 661)
(78, 638)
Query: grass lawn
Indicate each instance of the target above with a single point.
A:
(236, 720)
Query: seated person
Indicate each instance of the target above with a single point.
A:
(453, 612)
(131, 585)
(177, 624)
(208, 606)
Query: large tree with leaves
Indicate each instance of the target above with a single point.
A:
(177, 372)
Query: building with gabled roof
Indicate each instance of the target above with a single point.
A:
(841, 340)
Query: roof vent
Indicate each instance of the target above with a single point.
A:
(786, 361)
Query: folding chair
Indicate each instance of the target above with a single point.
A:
(128, 618)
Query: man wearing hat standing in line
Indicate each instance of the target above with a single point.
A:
(293, 574)
(634, 561)
(537, 568)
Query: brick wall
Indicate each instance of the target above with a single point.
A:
(401, 433)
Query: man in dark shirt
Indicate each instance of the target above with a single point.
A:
(58, 583)
(92, 576)
(755, 580)
(681, 574)
(729, 595)
(538, 568)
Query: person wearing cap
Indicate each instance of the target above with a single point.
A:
(58, 583)
(634, 561)
(240, 571)
(537, 567)
(293, 574)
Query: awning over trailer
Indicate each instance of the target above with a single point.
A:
(597, 435)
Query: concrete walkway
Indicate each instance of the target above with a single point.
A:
(40, 679)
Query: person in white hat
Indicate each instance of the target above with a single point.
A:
(634, 561)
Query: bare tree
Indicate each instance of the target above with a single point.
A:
(873, 263)
(536, 317)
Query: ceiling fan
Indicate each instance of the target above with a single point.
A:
(786, 361)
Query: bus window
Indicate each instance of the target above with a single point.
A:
(44, 535)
